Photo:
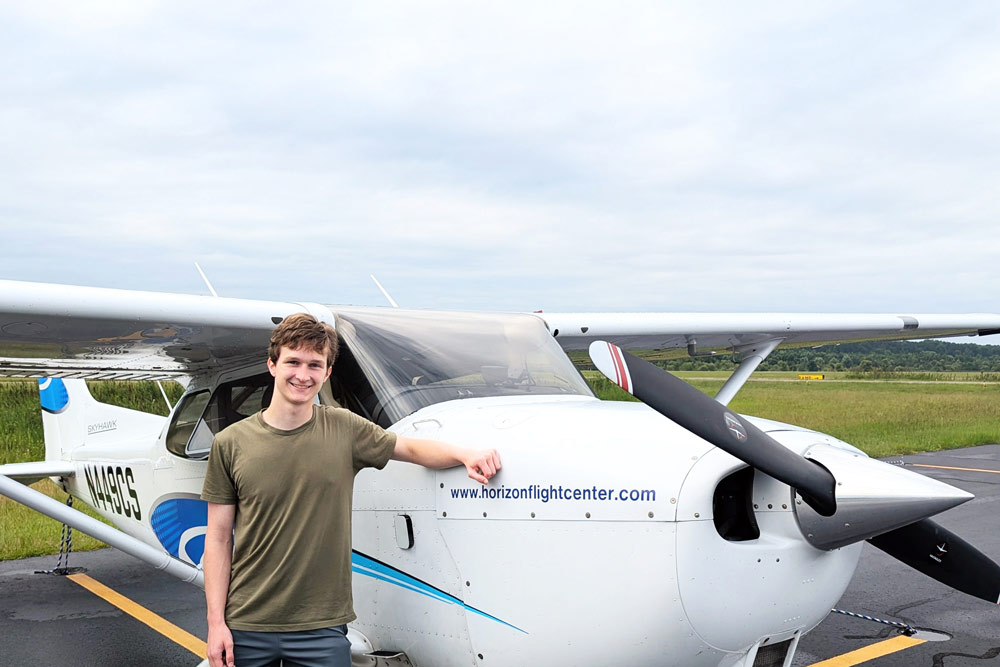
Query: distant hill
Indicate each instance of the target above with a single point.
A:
(874, 356)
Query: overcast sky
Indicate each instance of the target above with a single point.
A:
(560, 156)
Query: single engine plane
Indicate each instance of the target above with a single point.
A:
(671, 531)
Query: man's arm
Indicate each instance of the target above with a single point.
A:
(216, 565)
(481, 464)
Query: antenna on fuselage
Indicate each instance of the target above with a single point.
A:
(392, 301)
(215, 294)
(205, 278)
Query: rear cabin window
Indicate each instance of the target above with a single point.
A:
(200, 415)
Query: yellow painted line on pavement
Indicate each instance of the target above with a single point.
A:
(927, 465)
(870, 652)
(137, 611)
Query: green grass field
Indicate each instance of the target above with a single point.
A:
(884, 418)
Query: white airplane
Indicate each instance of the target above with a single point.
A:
(669, 532)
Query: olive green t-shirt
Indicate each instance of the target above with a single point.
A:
(292, 490)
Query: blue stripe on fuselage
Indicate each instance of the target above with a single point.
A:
(174, 517)
(369, 567)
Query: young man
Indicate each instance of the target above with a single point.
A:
(284, 477)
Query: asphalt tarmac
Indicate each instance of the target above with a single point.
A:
(52, 620)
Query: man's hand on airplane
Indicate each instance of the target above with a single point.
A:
(481, 464)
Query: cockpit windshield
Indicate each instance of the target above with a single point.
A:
(417, 358)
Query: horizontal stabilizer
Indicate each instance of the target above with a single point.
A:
(32, 471)
(76, 519)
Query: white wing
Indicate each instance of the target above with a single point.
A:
(69, 331)
(704, 331)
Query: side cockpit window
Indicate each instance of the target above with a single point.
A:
(200, 415)
(185, 418)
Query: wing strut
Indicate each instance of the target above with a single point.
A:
(750, 358)
(53, 508)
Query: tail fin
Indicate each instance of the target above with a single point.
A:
(71, 418)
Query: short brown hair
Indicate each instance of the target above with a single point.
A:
(303, 330)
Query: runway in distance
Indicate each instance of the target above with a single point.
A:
(667, 532)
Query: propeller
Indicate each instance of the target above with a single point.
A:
(712, 421)
(894, 517)
(932, 549)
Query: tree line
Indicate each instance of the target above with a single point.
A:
(871, 357)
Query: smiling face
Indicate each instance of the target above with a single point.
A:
(298, 375)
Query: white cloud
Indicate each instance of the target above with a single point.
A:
(566, 156)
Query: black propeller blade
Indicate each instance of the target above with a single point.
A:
(939, 553)
(924, 545)
(681, 403)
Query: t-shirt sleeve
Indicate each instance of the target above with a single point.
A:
(218, 486)
(373, 445)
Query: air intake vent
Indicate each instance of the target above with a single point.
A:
(732, 507)
(773, 655)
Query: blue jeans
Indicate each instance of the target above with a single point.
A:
(326, 647)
